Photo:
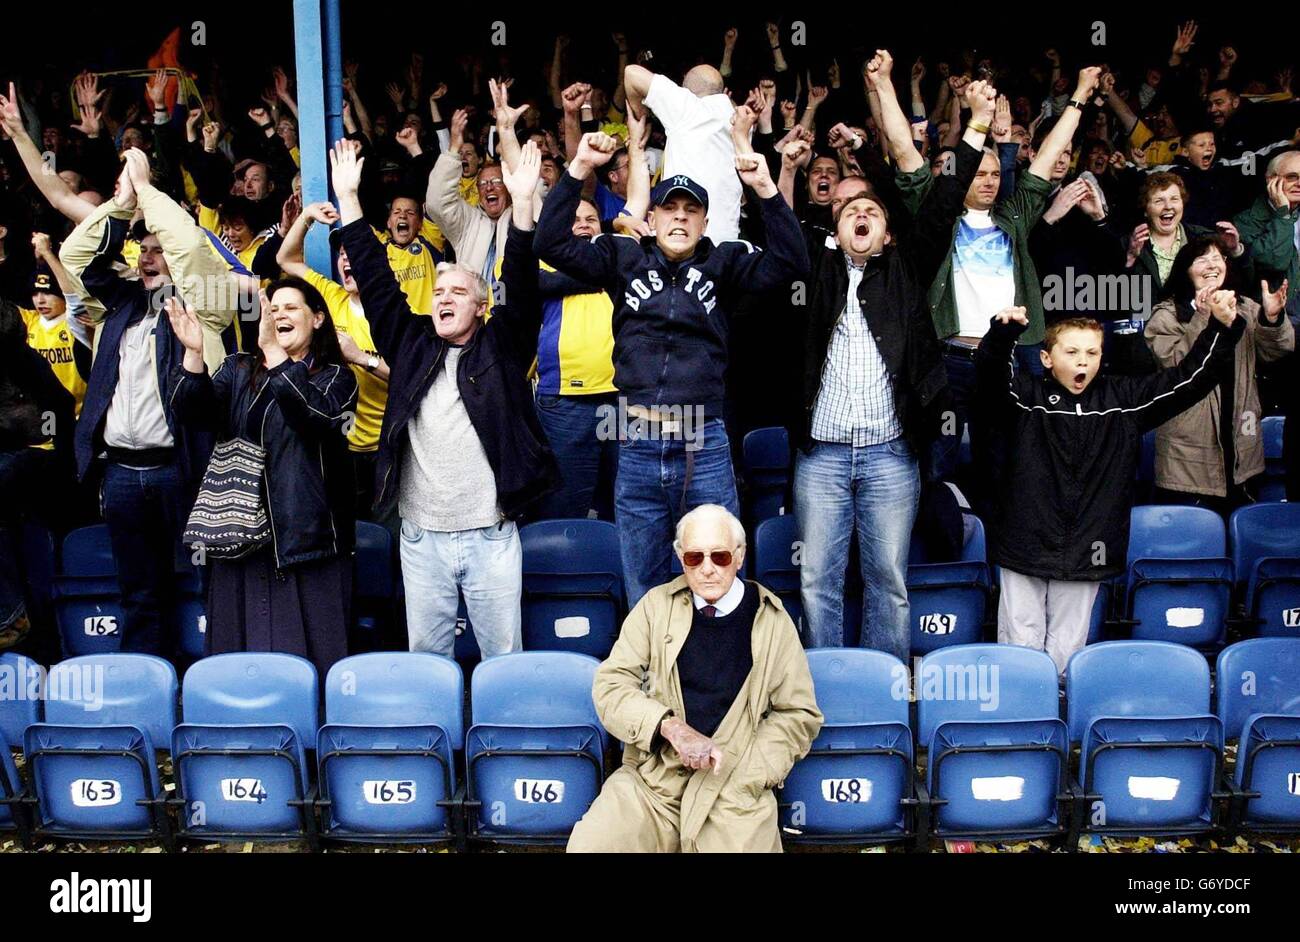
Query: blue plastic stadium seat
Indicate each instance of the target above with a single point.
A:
(573, 586)
(393, 721)
(38, 565)
(1272, 487)
(766, 461)
(374, 587)
(535, 754)
(1258, 685)
(93, 761)
(988, 715)
(239, 755)
(949, 601)
(87, 601)
(1265, 541)
(1151, 750)
(20, 707)
(857, 781)
(776, 563)
(13, 817)
(1179, 580)
(191, 612)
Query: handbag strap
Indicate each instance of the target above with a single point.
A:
(253, 418)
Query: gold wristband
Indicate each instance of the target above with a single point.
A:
(977, 127)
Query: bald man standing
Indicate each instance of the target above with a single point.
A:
(697, 118)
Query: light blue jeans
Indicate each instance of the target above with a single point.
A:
(875, 489)
(485, 565)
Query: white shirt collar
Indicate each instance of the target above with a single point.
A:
(727, 604)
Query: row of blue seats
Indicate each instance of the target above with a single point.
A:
(766, 464)
(998, 753)
(1187, 579)
(393, 761)
(573, 591)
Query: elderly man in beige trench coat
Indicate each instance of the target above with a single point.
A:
(701, 779)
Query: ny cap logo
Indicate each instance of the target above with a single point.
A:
(680, 181)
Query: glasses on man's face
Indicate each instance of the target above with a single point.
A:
(693, 558)
(1291, 179)
(491, 183)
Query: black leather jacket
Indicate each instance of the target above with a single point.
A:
(309, 486)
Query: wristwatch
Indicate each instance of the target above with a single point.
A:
(1078, 104)
(372, 363)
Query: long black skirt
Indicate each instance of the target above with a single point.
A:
(303, 611)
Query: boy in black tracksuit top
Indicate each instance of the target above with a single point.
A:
(1073, 445)
(673, 294)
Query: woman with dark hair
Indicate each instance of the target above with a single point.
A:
(36, 422)
(1208, 455)
(295, 398)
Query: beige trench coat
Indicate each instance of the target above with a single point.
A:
(1189, 457)
(653, 802)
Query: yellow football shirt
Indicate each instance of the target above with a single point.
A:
(1157, 153)
(53, 340)
(372, 392)
(415, 268)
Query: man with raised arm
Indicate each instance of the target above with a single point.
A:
(673, 294)
(461, 454)
(697, 116)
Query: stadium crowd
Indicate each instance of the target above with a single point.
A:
(570, 295)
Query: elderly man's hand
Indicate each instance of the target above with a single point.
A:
(697, 751)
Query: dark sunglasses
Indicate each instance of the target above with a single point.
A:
(693, 558)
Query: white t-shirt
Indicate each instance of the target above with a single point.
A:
(699, 146)
(983, 272)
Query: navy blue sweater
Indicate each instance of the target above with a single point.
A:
(671, 318)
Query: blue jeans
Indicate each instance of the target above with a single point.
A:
(587, 464)
(873, 489)
(485, 564)
(651, 494)
(145, 512)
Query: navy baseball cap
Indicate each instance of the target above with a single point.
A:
(679, 184)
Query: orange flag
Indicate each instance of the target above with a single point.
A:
(168, 57)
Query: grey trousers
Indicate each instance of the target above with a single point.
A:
(1047, 615)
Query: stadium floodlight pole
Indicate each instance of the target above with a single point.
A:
(320, 108)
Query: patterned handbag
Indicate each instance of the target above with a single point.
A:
(229, 518)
